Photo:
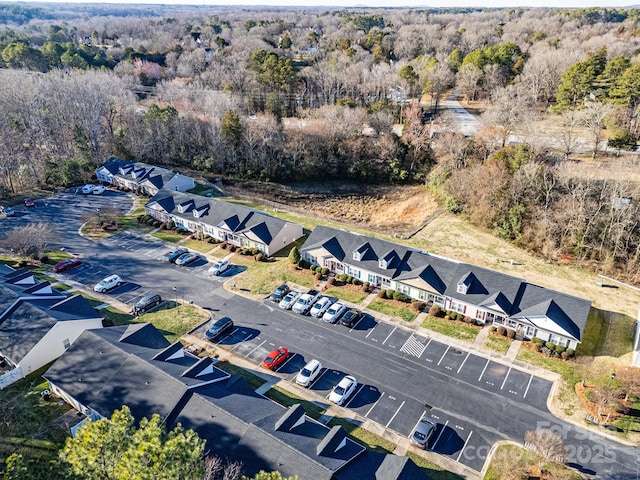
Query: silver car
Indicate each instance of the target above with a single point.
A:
(423, 432)
(287, 302)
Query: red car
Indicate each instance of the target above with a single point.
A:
(66, 264)
(275, 358)
(29, 202)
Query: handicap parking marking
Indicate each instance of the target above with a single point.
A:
(413, 346)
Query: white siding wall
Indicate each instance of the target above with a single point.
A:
(287, 235)
(52, 345)
(180, 183)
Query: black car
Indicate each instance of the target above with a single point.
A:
(218, 328)
(146, 303)
(174, 254)
(279, 293)
(351, 317)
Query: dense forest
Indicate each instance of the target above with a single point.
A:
(294, 95)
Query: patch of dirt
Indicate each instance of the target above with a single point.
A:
(387, 209)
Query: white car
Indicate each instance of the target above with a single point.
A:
(88, 188)
(305, 302)
(320, 307)
(98, 190)
(107, 283)
(343, 390)
(287, 302)
(309, 373)
(220, 267)
(334, 312)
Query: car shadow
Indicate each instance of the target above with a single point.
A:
(196, 263)
(448, 440)
(243, 334)
(233, 270)
(367, 322)
(367, 395)
(126, 287)
(293, 365)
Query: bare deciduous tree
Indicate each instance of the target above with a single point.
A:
(593, 117)
(31, 240)
(547, 444)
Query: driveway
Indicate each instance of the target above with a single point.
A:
(463, 121)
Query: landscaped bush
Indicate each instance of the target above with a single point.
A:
(331, 281)
(447, 317)
(389, 294)
(224, 245)
(492, 328)
(325, 271)
(259, 257)
(304, 264)
(356, 281)
(233, 248)
(418, 305)
(171, 225)
(366, 286)
(348, 279)
(550, 346)
(312, 267)
(459, 317)
(469, 320)
(157, 223)
(502, 331)
(318, 276)
(435, 311)
(44, 259)
(537, 347)
(255, 251)
(570, 352)
(511, 333)
(381, 294)
(400, 297)
(560, 349)
(536, 340)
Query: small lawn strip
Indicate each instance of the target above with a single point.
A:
(497, 344)
(346, 294)
(114, 316)
(369, 439)
(433, 470)
(174, 320)
(62, 287)
(198, 245)
(168, 236)
(286, 398)
(593, 333)
(253, 380)
(263, 277)
(393, 310)
(450, 329)
(94, 302)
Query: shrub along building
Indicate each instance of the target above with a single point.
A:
(485, 295)
(226, 222)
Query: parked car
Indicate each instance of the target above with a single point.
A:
(334, 312)
(309, 373)
(343, 390)
(220, 267)
(28, 202)
(88, 188)
(146, 303)
(66, 264)
(174, 254)
(305, 302)
(98, 190)
(423, 432)
(351, 317)
(287, 302)
(321, 306)
(276, 358)
(8, 211)
(218, 327)
(107, 283)
(279, 293)
(187, 258)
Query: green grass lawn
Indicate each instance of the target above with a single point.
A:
(497, 344)
(173, 320)
(27, 425)
(393, 310)
(253, 380)
(434, 471)
(168, 236)
(346, 294)
(286, 398)
(198, 246)
(369, 439)
(263, 277)
(451, 329)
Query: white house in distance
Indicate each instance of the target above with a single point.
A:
(224, 221)
(37, 323)
(141, 177)
(488, 296)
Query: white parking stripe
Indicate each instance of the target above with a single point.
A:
(463, 362)
(354, 396)
(391, 333)
(243, 340)
(465, 444)
(528, 385)
(374, 404)
(415, 427)
(505, 378)
(371, 331)
(318, 377)
(394, 415)
(445, 352)
(485, 367)
(247, 355)
(286, 361)
(440, 434)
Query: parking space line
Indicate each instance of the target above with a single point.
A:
(354, 396)
(445, 352)
(483, 370)
(355, 324)
(371, 331)
(318, 377)
(463, 362)
(505, 378)
(150, 253)
(464, 446)
(390, 333)
(394, 415)
(243, 340)
(374, 404)
(415, 427)
(286, 361)
(247, 355)
(440, 434)
(528, 385)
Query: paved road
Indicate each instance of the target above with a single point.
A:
(401, 376)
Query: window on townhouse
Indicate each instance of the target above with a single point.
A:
(422, 295)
